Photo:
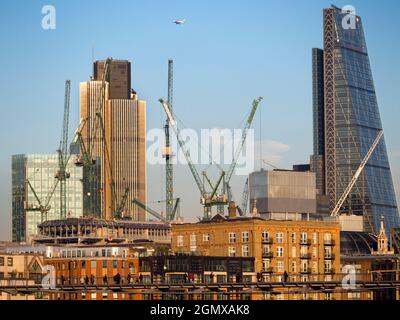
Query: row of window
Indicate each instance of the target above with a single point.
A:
(93, 264)
(92, 253)
(245, 236)
(304, 266)
(10, 261)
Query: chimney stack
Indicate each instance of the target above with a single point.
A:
(232, 210)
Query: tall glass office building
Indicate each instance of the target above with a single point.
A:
(40, 170)
(347, 121)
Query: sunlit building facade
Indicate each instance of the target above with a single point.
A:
(40, 170)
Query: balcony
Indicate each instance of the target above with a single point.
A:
(329, 271)
(329, 242)
(267, 255)
(267, 240)
(329, 256)
(267, 270)
(305, 270)
(305, 242)
(305, 256)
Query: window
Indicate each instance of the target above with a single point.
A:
(265, 264)
(294, 266)
(206, 237)
(327, 252)
(303, 250)
(266, 248)
(304, 265)
(231, 251)
(104, 265)
(245, 236)
(327, 266)
(245, 250)
(279, 266)
(115, 264)
(1, 261)
(279, 252)
(279, 237)
(10, 262)
(179, 241)
(232, 237)
(265, 236)
(293, 237)
(327, 238)
(303, 237)
(93, 296)
(93, 264)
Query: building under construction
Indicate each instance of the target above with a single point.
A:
(99, 231)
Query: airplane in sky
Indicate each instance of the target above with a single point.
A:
(179, 21)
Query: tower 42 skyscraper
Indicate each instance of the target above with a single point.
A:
(346, 122)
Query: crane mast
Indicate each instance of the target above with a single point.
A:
(63, 155)
(169, 182)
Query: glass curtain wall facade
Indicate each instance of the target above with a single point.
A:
(351, 124)
(40, 170)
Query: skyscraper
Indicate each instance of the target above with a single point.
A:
(346, 122)
(123, 155)
(40, 170)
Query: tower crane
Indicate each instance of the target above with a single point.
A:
(63, 155)
(155, 214)
(245, 196)
(336, 210)
(169, 181)
(42, 208)
(208, 199)
(246, 128)
(213, 198)
(149, 210)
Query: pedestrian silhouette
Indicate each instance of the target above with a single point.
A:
(285, 276)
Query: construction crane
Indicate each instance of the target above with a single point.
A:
(270, 164)
(42, 208)
(175, 209)
(168, 154)
(208, 199)
(63, 155)
(245, 196)
(246, 128)
(120, 208)
(149, 210)
(336, 210)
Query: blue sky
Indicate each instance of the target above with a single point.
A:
(226, 54)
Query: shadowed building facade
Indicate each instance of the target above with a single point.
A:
(346, 122)
(124, 121)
